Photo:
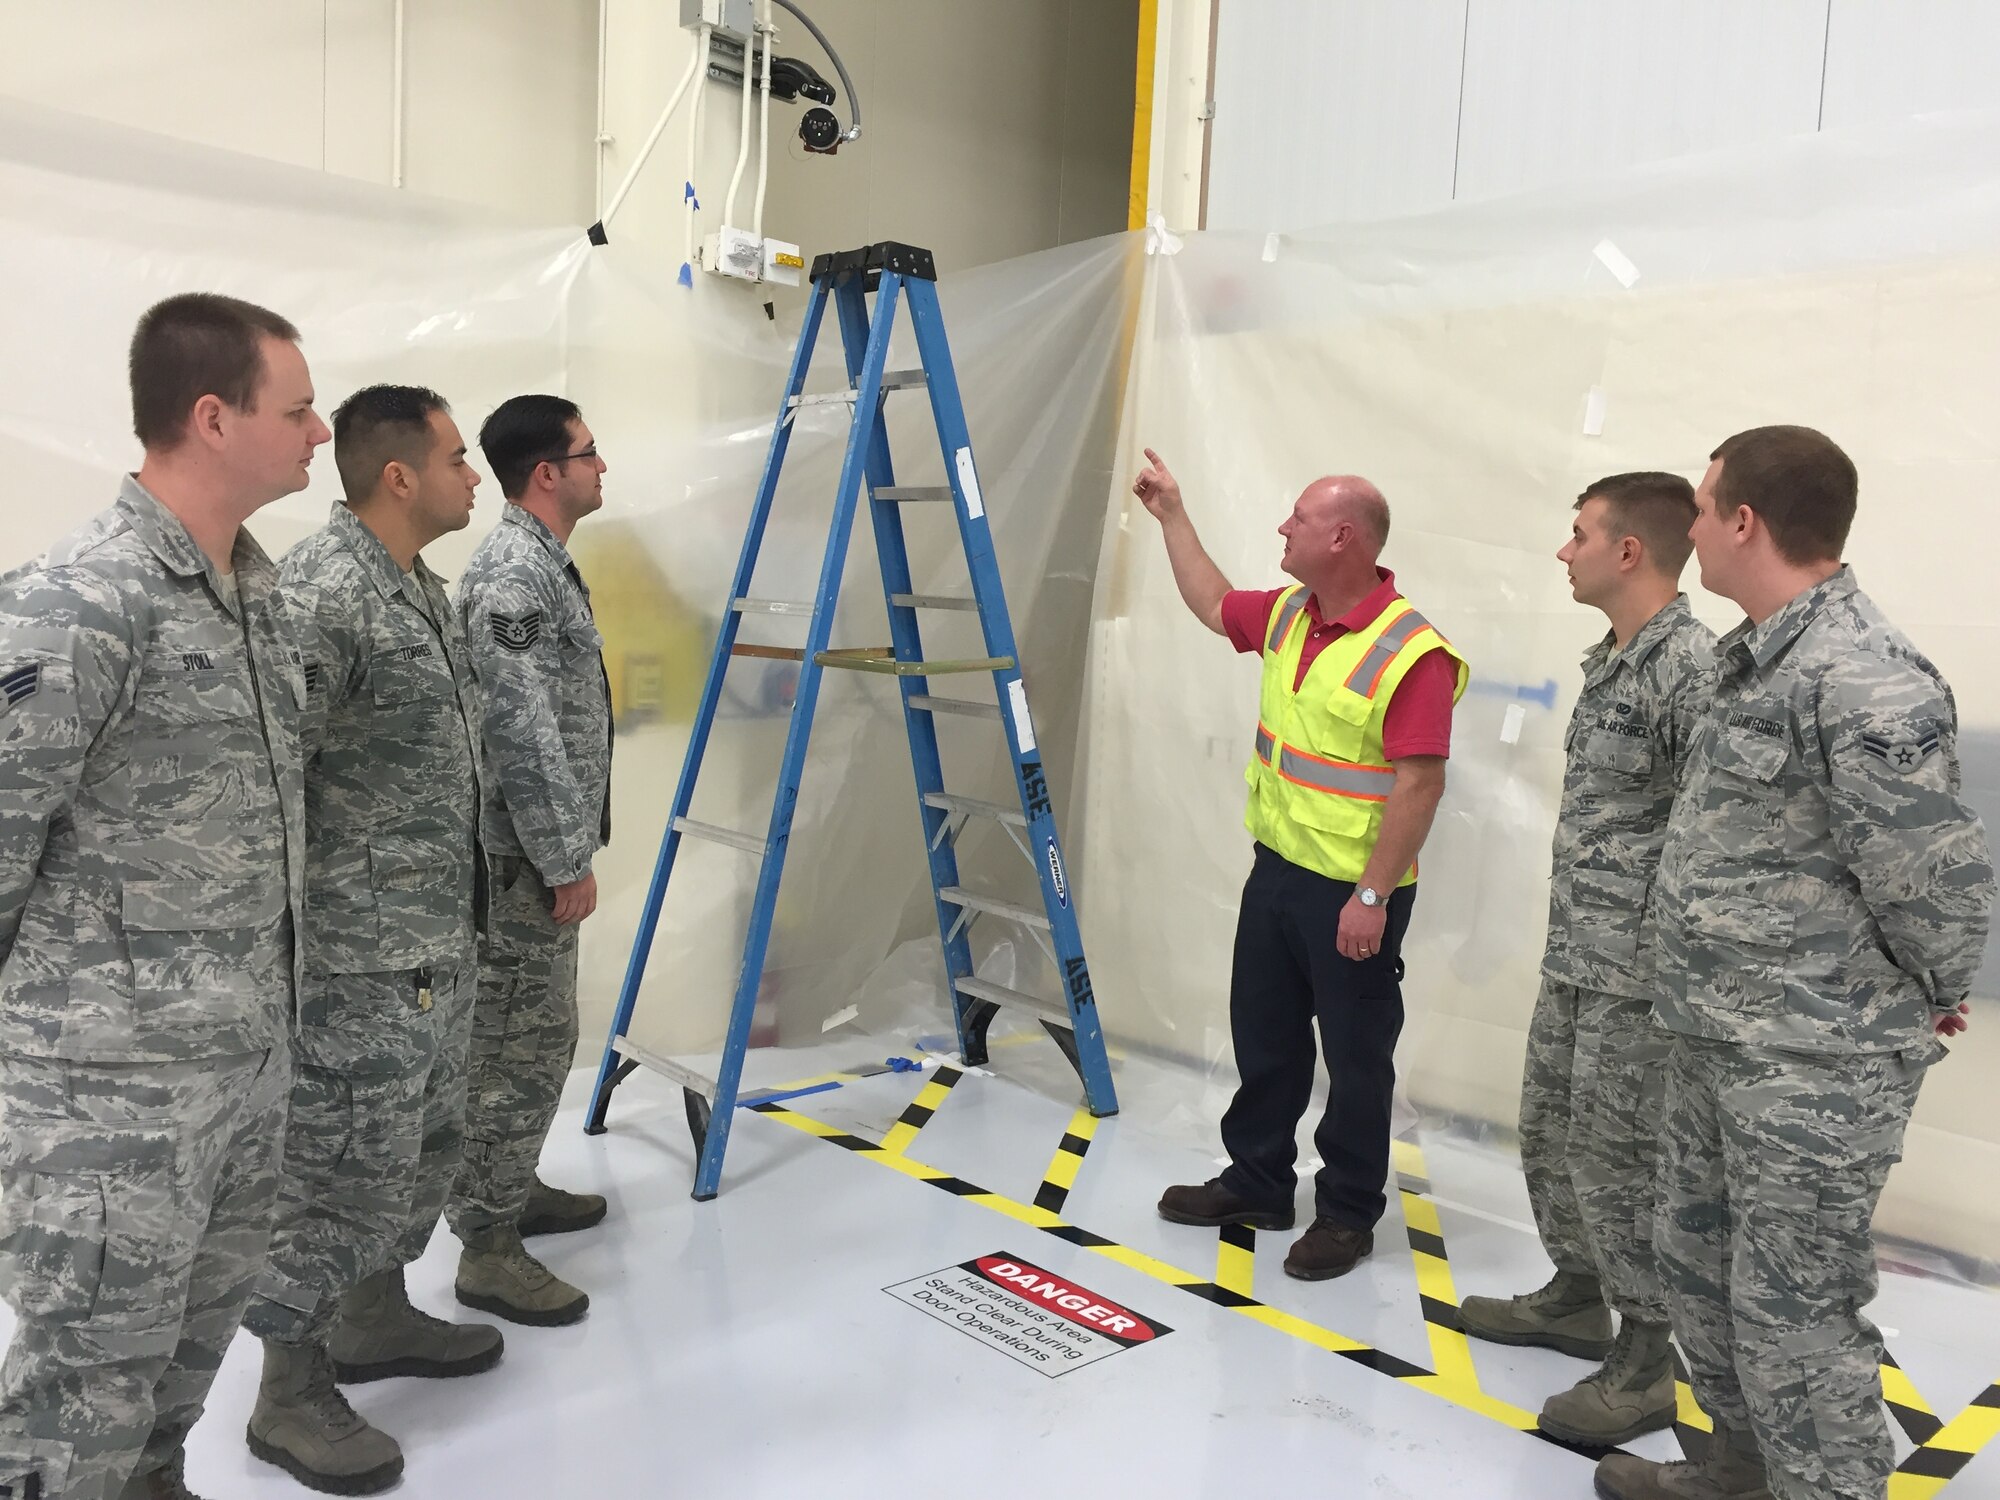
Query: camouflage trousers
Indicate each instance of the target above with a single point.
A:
(1773, 1163)
(524, 1032)
(1592, 1099)
(376, 1135)
(135, 1207)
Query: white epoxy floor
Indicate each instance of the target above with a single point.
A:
(746, 1346)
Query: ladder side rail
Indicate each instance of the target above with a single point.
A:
(926, 762)
(955, 439)
(708, 1176)
(704, 720)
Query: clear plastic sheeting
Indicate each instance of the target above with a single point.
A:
(1482, 365)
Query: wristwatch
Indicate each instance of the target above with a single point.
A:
(1369, 896)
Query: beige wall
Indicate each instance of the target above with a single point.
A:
(992, 130)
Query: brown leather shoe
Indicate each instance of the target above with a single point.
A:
(1327, 1250)
(1212, 1205)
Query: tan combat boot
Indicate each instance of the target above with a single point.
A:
(554, 1211)
(1632, 1394)
(304, 1425)
(380, 1334)
(1569, 1315)
(496, 1274)
(1730, 1469)
(168, 1482)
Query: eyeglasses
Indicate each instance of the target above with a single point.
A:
(589, 455)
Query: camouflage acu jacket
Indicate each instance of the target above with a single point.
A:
(1823, 889)
(152, 849)
(1627, 742)
(540, 661)
(391, 742)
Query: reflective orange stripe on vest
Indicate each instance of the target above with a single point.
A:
(1338, 777)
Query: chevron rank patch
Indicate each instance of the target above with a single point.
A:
(516, 632)
(19, 683)
(310, 669)
(1901, 756)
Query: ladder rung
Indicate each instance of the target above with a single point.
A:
(935, 601)
(771, 607)
(822, 398)
(883, 659)
(914, 492)
(666, 1067)
(972, 901)
(999, 994)
(998, 812)
(749, 843)
(902, 380)
(769, 653)
(932, 704)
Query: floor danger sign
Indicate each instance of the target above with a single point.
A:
(1044, 1321)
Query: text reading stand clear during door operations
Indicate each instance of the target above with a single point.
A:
(895, 273)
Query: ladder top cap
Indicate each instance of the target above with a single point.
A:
(890, 255)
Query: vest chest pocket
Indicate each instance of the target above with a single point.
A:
(1337, 730)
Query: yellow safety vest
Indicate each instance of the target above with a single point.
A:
(1320, 776)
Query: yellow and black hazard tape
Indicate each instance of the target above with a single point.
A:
(1447, 1387)
(1954, 1445)
(1437, 1295)
(918, 1115)
(1064, 1165)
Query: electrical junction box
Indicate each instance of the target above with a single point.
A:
(783, 263)
(739, 253)
(730, 18)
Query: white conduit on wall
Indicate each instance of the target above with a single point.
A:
(770, 34)
(695, 62)
(692, 200)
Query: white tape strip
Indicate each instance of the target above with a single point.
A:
(1271, 246)
(968, 483)
(1511, 722)
(840, 1017)
(939, 1060)
(1617, 262)
(1593, 412)
(1024, 727)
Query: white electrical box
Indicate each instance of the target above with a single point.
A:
(739, 253)
(732, 18)
(783, 263)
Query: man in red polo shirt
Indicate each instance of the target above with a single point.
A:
(1353, 728)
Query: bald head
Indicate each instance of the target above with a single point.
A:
(1349, 498)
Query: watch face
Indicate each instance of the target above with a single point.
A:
(1368, 897)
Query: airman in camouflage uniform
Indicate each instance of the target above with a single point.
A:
(527, 617)
(1595, 1083)
(152, 860)
(1822, 904)
(392, 806)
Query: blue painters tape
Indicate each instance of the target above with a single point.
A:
(750, 1100)
(687, 274)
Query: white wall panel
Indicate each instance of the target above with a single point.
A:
(1886, 59)
(1333, 111)
(1561, 89)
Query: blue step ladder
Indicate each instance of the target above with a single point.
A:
(897, 274)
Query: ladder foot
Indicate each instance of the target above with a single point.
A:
(602, 1104)
(698, 1117)
(972, 1032)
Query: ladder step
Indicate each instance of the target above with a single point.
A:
(883, 659)
(935, 601)
(998, 812)
(1027, 916)
(914, 492)
(903, 380)
(822, 398)
(769, 653)
(999, 994)
(771, 607)
(935, 705)
(749, 843)
(666, 1067)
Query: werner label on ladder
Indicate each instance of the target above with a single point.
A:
(897, 275)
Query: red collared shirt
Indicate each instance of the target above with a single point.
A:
(1418, 721)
